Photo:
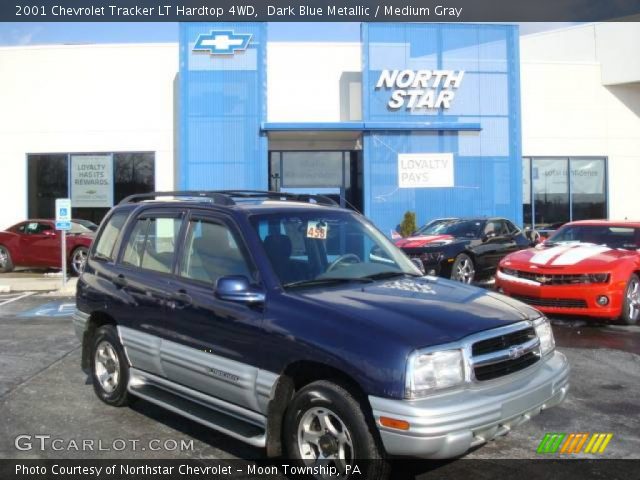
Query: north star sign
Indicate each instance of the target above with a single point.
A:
(420, 89)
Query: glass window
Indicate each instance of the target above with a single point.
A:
(588, 189)
(48, 178)
(326, 247)
(550, 192)
(151, 244)
(211, 252)
(613, 236)
(563, 189)
(526, 193)
(109, 235)
(159, 247)
(312, 169)
(135, 245)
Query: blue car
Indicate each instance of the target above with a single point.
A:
(294, 325)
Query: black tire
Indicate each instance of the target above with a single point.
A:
(631, 304)
(75, 266)
(107, 337)
(6, 263)
(344, 412)
(463, 269)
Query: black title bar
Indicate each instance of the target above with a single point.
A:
(318, 11)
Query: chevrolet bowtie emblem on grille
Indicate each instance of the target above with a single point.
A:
(516, 352)
(542, 279)
(222, 42)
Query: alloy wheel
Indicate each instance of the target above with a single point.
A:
(464, 271)
(324, 439)
(4, 257)
(633, 299)
(107, 367)
(78, 260)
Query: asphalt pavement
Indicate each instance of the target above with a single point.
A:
(44, 392)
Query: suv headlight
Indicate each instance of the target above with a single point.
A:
(545, 335)
(431, 371)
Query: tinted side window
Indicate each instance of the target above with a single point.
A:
(109, 235)
(152, 243)
(135, 244)
(212, 251)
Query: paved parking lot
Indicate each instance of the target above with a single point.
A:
(43, 391)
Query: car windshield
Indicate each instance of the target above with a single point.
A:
(455, 228)
(610, 235)
(432, 227)
(308, 248)
(78, 228)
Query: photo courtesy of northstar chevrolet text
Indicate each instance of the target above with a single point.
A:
(266, 240)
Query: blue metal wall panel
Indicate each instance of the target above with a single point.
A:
(488, 176)
(222, 105)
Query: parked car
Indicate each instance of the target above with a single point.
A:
(464, 249)
(267, 316)
(88, 224)
(36, 243)
(586, 268)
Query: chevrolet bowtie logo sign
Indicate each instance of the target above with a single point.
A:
(222, 42)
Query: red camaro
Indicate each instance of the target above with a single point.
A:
(36, 243)
(588, 268)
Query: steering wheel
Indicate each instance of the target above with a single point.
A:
(347, 256)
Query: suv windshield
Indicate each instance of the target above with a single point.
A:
(610, 235)
(455, 228)
(312, 248)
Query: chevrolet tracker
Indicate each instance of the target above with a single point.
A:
(589, 268)
(294, 325)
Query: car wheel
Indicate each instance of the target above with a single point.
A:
(78, 260)
(109, 367)
(326, 425)
(6, 264)
(631, 304)
(463, 269)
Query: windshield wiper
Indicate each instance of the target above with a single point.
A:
(326, 281)
(384, 275)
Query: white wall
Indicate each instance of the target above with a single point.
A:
(303, 80)
(83, 98)
(567, 111)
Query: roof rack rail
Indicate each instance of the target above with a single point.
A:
(295, 197)
(215, 197)
(226, 197)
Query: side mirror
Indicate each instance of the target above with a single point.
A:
(418, 263)
(236, 288)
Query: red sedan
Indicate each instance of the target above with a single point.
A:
(36, 243)
(587, 268)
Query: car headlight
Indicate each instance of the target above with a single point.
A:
(545, 335)
(431, 371)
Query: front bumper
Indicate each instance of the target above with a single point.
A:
(448, 425)
(548, 298)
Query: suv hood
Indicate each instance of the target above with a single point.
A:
(420, 312)
(582, 257)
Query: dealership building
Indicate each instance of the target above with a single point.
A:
(441, 119)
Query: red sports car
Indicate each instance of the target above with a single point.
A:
(587, 268)
(36, 243)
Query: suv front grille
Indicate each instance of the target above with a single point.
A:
(504, 354)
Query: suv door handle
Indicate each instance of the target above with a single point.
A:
(119, 281)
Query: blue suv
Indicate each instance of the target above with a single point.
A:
(294, 325)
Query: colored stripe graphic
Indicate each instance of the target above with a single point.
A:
(551, 442)
(572, 443)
